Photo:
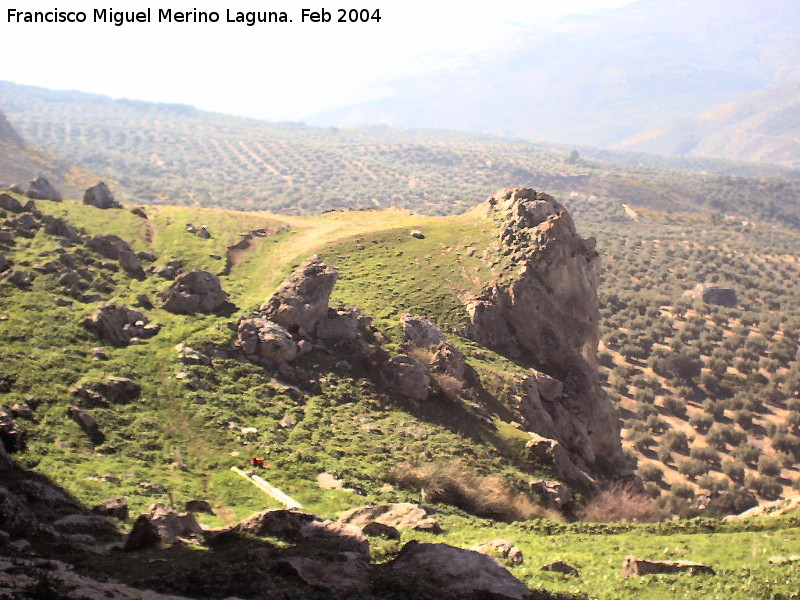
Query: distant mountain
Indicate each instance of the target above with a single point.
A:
(602, 80)
(8, 134)
(764, 126)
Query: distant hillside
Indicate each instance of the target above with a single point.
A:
(764, 126)
(155, 153)
(603, 79)
(20, 162)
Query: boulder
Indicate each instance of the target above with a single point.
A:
(170, 527)
(553, 493)
(342, 573)
(12, 437)
(39, 492)
(87, 423)
(560, 566)
(10, 203)
(553, 454)
(713, 294)
(408, 376)
(5, 264)
(100, 196)
(114, 247)
(542, 310)
(398, 515)
(449, 360)
(262, 341)
(24, 225)
(333, 536)
(279, 522)
(114, 507)
(642, 566)
(38, 189)
(96, 525)
(343, 324)
(502, 549)
(19, 278)
(169, 271)
(421, 332)
(59, 227)
(375, 529)
(111, 390)
(190, 356)
(458, 571)
(116, 324)
(202, 506)
(301, 301)
(194, 292)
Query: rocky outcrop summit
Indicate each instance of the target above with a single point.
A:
(38, 189)
(194, 292)
(100, 196)
(542, 311)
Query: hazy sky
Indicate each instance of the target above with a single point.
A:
(274, 71)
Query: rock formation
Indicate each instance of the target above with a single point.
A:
(642, 566)
(100, 196)
(262, 341)
(117, 324)
(194, 292)
(542, 310)
(114, 247)
(38, 189)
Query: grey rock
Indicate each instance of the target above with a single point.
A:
(38, 189)
(502, 549)
(331, 536)
(116, 324)
(341, 573)
(100, 196)
(279, 522)
(15, 517)
(114, 247)
(194, 292)
(263, 341)
(87, 423)
(560, 566)
(421, 332)
(642, 566)
(409, 377)
(10, 203)
(114, 507)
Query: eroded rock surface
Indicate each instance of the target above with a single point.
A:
(543, 311)
(264, 341)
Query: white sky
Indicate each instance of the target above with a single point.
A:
(273, 71)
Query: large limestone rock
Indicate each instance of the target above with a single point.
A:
(100, 196)
(457, 570)
(38, 189)
(334, 536)
(301, 301)
(343, 324)
(116, 324)
(543, 311)
(194, 292)
(713, 294)
(262, 341)
(399, 515)
(421, 332)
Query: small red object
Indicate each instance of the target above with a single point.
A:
(257, 462)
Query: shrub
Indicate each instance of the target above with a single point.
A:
(455, 484)
(735, 469)
(701, 422)
(622, 503)
(767, 465)
(675, 406)
(675, 441)
(682, 365)
(746, 453)
(683, 490)
(692, 468)
(706, 455)
(651, 472)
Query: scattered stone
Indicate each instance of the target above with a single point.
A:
(421, 332)
(203, 232)
(111, 390)
(143, 301)
(784, 560)
(202, 506)
(398, 515)
(60, 228)
(263, 341)
(416, 233)
(169, 271)
(38, 189)
(190, 356)
(375, 529)
(343, 573)
(458, 570)
(115, 507)
(301, 301)
(343, 324)
(146, 256)
(641, 566)
(279, 522)
(194, 292)
(114, 247)
(100, 196)
(139, 212)
(116, 324)
(502, 549)
(10, 203)
(561, 567)
(87, 423)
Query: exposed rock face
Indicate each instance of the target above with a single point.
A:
(713, 294)
(543, 311)
(642, 566)
(459, 570)
(301, 301)
(194, 292)
(100, 196)
(114, 247)
(169, 526)
(38, 189)
(552, 453)
(116, 324)
(263, 341)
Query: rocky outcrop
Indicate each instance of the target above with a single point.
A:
(554, 494)
(162, 524)
(343, 324)
(265, 342)
(398, 515)
(458, 570)
(100, 196)
(194, 292)
(713, 294)
(111, 390)
(334, 536)
(114, 247)
(279, 522)
(345, 573)
(301, 301)
(542, 310)
(501, 549)
(114, 507)
(59, 227)
(38, 189)
(642, 566)
(87, 422)
(421, 332)
(408, 376)
(116, 324)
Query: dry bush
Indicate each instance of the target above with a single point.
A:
(622, 502)
(455, 484)
(451, 387)
(423, 355)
